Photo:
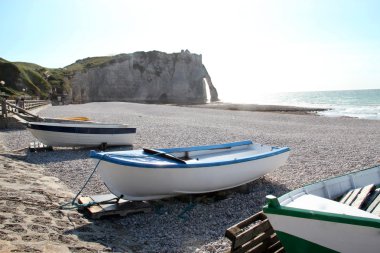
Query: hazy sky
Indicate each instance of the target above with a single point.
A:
(248, 47)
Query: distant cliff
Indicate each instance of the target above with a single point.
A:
(149, 77)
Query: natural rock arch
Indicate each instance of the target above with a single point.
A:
(151, 77)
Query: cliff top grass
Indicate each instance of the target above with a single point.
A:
(86, 63)
(37, 80)
(101, 61)
(24, 78)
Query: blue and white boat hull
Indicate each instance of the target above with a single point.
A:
(82, 134)
(136, 175)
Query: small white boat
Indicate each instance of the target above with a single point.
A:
(72, 134)
(310, 220)
(153, 174)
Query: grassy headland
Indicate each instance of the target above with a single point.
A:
(23, 78)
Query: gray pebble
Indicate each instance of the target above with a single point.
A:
(321, 147)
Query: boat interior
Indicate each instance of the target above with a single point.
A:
(355, 194)
(361, 205)
(223, 154)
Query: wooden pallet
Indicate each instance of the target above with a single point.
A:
(37, 146)
(121, 207)
(255, 235)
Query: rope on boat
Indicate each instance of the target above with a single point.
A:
(74, 204)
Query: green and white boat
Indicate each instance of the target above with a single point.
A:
(341, 214)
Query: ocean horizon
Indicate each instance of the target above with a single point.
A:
(363, 104)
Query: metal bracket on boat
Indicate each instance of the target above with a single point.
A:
(118, 198)
(103, 146)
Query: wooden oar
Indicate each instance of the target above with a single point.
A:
(162, 154)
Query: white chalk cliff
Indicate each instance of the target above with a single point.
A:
(148, 77)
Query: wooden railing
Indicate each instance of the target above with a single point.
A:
(30, 104)
(9, 106)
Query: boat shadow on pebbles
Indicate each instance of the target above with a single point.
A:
(62, 154)
(183, 223)
(261, 184)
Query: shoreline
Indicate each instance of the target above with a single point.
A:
(321, 147)
(259, 108)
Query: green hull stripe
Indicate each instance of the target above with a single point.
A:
(323, 216)
(295, 244)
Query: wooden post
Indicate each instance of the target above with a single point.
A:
(3, 98)
(3, 107)
(4, 115)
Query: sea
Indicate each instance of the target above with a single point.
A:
(363, 104)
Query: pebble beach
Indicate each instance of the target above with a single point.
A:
(34, 185)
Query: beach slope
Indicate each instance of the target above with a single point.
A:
(321, 147)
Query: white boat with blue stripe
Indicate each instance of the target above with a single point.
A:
(73, 134)
(154, 174)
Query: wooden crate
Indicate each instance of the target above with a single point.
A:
(121, 207)
(255, 235)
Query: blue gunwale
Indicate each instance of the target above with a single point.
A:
(207, 147)
(139, 155)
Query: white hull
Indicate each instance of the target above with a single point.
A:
(139, 183)
(71, 134)
(332, 235)
(74, 139)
